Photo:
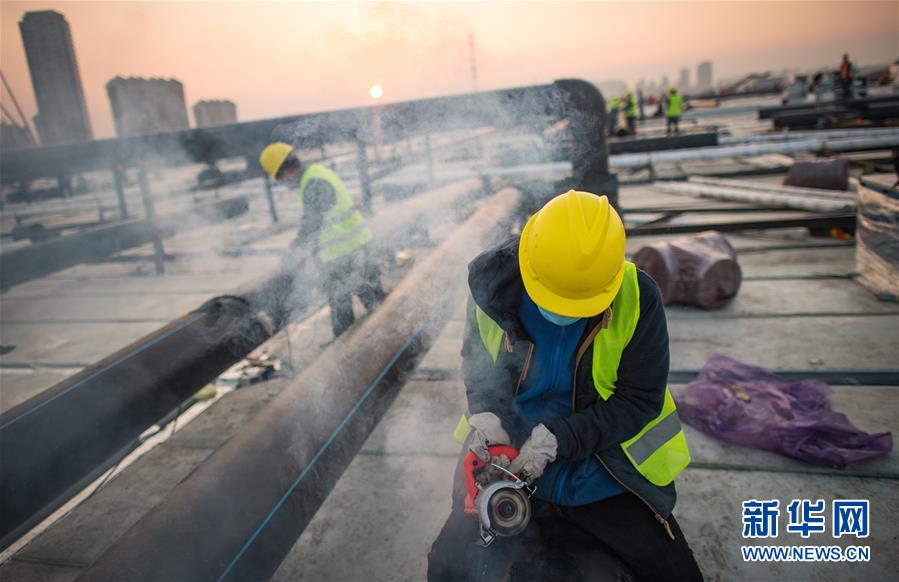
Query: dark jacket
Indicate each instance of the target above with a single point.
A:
(596, 427)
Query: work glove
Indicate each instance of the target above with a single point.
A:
(535, 454)
(488, 431)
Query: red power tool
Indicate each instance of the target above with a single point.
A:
(499, 499)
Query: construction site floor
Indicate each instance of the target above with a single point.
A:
(799, 310)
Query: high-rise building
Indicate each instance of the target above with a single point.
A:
(214, 112)
(704, 77)
(62, 113)
(683, 84)
(141, 106)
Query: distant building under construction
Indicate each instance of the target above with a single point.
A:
(62, 113)
(143, 106)
(214, 112)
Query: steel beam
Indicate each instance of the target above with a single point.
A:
(238, 515)
(39, 259)
(826, 106)
(884, 141)
(835, 377)
(763, 198)
(820, 222)
(653, 144)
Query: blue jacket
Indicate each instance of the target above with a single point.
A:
(545, 395)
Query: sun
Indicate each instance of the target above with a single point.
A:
(376, 91)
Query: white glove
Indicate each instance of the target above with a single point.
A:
(488, 431)
(535, 454)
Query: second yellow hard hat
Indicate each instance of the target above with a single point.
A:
(272, 157)
(571, 254)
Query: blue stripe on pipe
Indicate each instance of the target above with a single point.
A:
(318, 455)
(100, 371)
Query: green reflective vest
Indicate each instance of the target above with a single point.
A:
(659, 450)
(674, 104)
(613, 104)
(631, 110)
(343, 230)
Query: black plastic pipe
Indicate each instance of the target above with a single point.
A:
(55, 443)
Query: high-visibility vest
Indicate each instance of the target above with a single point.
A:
(659, 450)
(631, 110)
(613, 104)
(343, 230)
(674, 103)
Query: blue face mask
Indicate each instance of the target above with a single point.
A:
(560, 320)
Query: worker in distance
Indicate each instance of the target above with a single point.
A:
(565, 358)
(332, 230)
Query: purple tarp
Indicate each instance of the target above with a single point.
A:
(753, 407)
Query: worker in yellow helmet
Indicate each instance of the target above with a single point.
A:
(673, 112)
(565, 358)
(332, 230)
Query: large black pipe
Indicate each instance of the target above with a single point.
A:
(654, 144)
(60, 440)
(502, 108)
(825, 106)
(238, 515)
(39, 259)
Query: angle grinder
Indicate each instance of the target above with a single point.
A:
(499, 499)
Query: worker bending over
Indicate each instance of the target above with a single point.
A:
(332, 230)
(565, 358)
(672, 115)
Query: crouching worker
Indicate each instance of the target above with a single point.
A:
(332, 230)
(565, 358)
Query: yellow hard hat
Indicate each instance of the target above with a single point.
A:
(273, 156)
(571, 255)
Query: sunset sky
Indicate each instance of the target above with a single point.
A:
(283, 58)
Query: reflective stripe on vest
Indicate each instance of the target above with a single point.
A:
(659, 451)
(343, 230)
(674, 105)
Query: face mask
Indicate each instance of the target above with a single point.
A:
(560, 320)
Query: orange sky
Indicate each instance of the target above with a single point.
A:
(280, 58)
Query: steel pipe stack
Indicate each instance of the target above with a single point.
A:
(778, 200)
(887, 140)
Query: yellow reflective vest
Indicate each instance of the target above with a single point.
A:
(659, 450)
(631, 110)
(343, 230)
(674, 104)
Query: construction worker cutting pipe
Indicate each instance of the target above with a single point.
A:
(565, 364)
(332, 230)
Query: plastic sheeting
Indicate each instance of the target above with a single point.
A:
(699, 270)
(750, 406)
